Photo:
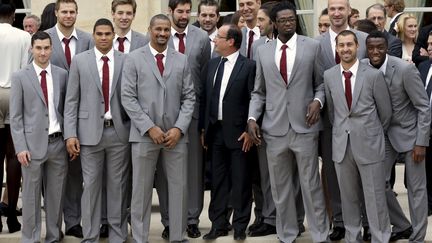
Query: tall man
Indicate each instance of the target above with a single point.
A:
(67, 41)
(195, 44)
(208, 17)
(338, 11)
(227, 84)
(97, 128)
(14, 45)
(377, 14)
(394, 9)
(123, 13)
(158, 95)
(360, 110)
(249, 11)
(408, 135)
(289, 84)
(36, 108)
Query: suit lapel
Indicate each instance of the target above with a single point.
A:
(57, 47)
(168, 63)
(34, 80)
(338, 86)
(150, 59)
(56, 87)
(358, 85)
(190, 40)
(389, 72)
(298, 58)
(271, 58)
(237, 67)
(116, 74)
(328, 49)
(91, 64)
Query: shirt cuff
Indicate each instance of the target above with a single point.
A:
(251, 118)
(321, 104)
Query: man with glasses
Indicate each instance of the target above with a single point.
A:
(394, 10)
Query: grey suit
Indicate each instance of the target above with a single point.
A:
(72, 200)
(102, 146)
(197, 51)
(291, 144)
(29, 122)
(358, 147)
(138, 40)
(410, 126)
(327, 57)
(165, 101)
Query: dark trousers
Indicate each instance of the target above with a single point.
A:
(230, 176)
(428, 165)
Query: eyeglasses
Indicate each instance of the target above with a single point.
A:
(287, 20)
(221, 37)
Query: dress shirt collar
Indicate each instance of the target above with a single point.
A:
(256, 31)
(61, 36)
(232, 58)
(173, 31)
(334, 34)
(213, 35)
(353, 68)
(39, 69)
(394, 17)
(383, 67)
(99, 54)
(154, 52)
(128, 36)
(291, 43)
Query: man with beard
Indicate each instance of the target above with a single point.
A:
(208, 17)
(194, 43)
(67, 41)
(158, 95)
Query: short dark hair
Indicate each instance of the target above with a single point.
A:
(347, 33)
(378, 6)
(7, 9)
(172, 4)
(40, 35)
(377, 34)
(159, 16)
(212, 3)
(115, 3)
(280, 7)
(234, 33)
(366, 25)
(58, 2)
(324, 12)
(267, 7)
(103, 21)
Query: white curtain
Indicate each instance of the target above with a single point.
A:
(305, 20)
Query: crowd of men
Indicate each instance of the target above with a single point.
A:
(97, 120)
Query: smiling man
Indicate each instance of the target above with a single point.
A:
(249, 11)
(208, 17)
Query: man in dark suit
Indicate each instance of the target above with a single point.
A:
(67, 41)
(420, 52)
(425, 69)
(37, 102)
(227, 84)
(377, 14)
(394, 9)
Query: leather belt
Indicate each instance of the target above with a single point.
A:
(53, 136)
(108, 123)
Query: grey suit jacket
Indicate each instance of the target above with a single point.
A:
(410, 124)
(198, 51)
(286, 106)
(28, 110)
(152, 100)
(138, 40)
(58, 58)
(261, 41)
(85, 109)
(243, 47)
(369, 117)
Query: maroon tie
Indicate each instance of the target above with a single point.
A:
(43, 84)
(67, 50)
(251, 39)
(159, 63)
(121, 41)
(181, 42)
(348, 94)
(283, 64)
(105, 82)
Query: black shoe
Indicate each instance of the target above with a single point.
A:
(165, 233)
(401, 235)
(239, 235)
(13, 224)
(430, 212)
(366, 234)
(61, 235)
(75, 231)
(103, 233)
(301, 228)
(263, 230)
(337, 234)
(259, 221)
(193, 231)
(3, 209)
(214, 234)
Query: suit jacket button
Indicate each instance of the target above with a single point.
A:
(102, 117)
(46, 129)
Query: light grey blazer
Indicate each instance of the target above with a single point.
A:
(243, 47)
(369, 117)
(58, 58)
(198, 51)
(410, 124)
(28, 110)
(138, 40)
(286, 106)
(152, 100)
(256, 44)
(85, 109)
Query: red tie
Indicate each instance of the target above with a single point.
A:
(159, 63)
(181, 42)
(283, 64)
(348, 94)
(121, 41)
(105, 82)
(44, 85)
(67, 50)
(251, 39)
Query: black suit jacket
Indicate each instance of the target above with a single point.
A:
(421, 43)
(392, 25)
(424, 69)
(235, 104)
(394, 45)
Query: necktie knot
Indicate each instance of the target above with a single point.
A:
(66, 40)
(105, 59)
(347, 74)
(251, 33)
(43, 72)
(180, 36)
(121, 39)
(159, 56)
(223, 60)
(284, 47)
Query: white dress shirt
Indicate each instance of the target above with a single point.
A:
(99, 63)
(291, 52)
(428, 77)
(54, 125)
(176, 40)
(154, 53)
(126, 43)
(228, 68)
(353, 70)
(73, 41)
(211, 37)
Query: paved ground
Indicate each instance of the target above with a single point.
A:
(156, 227)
